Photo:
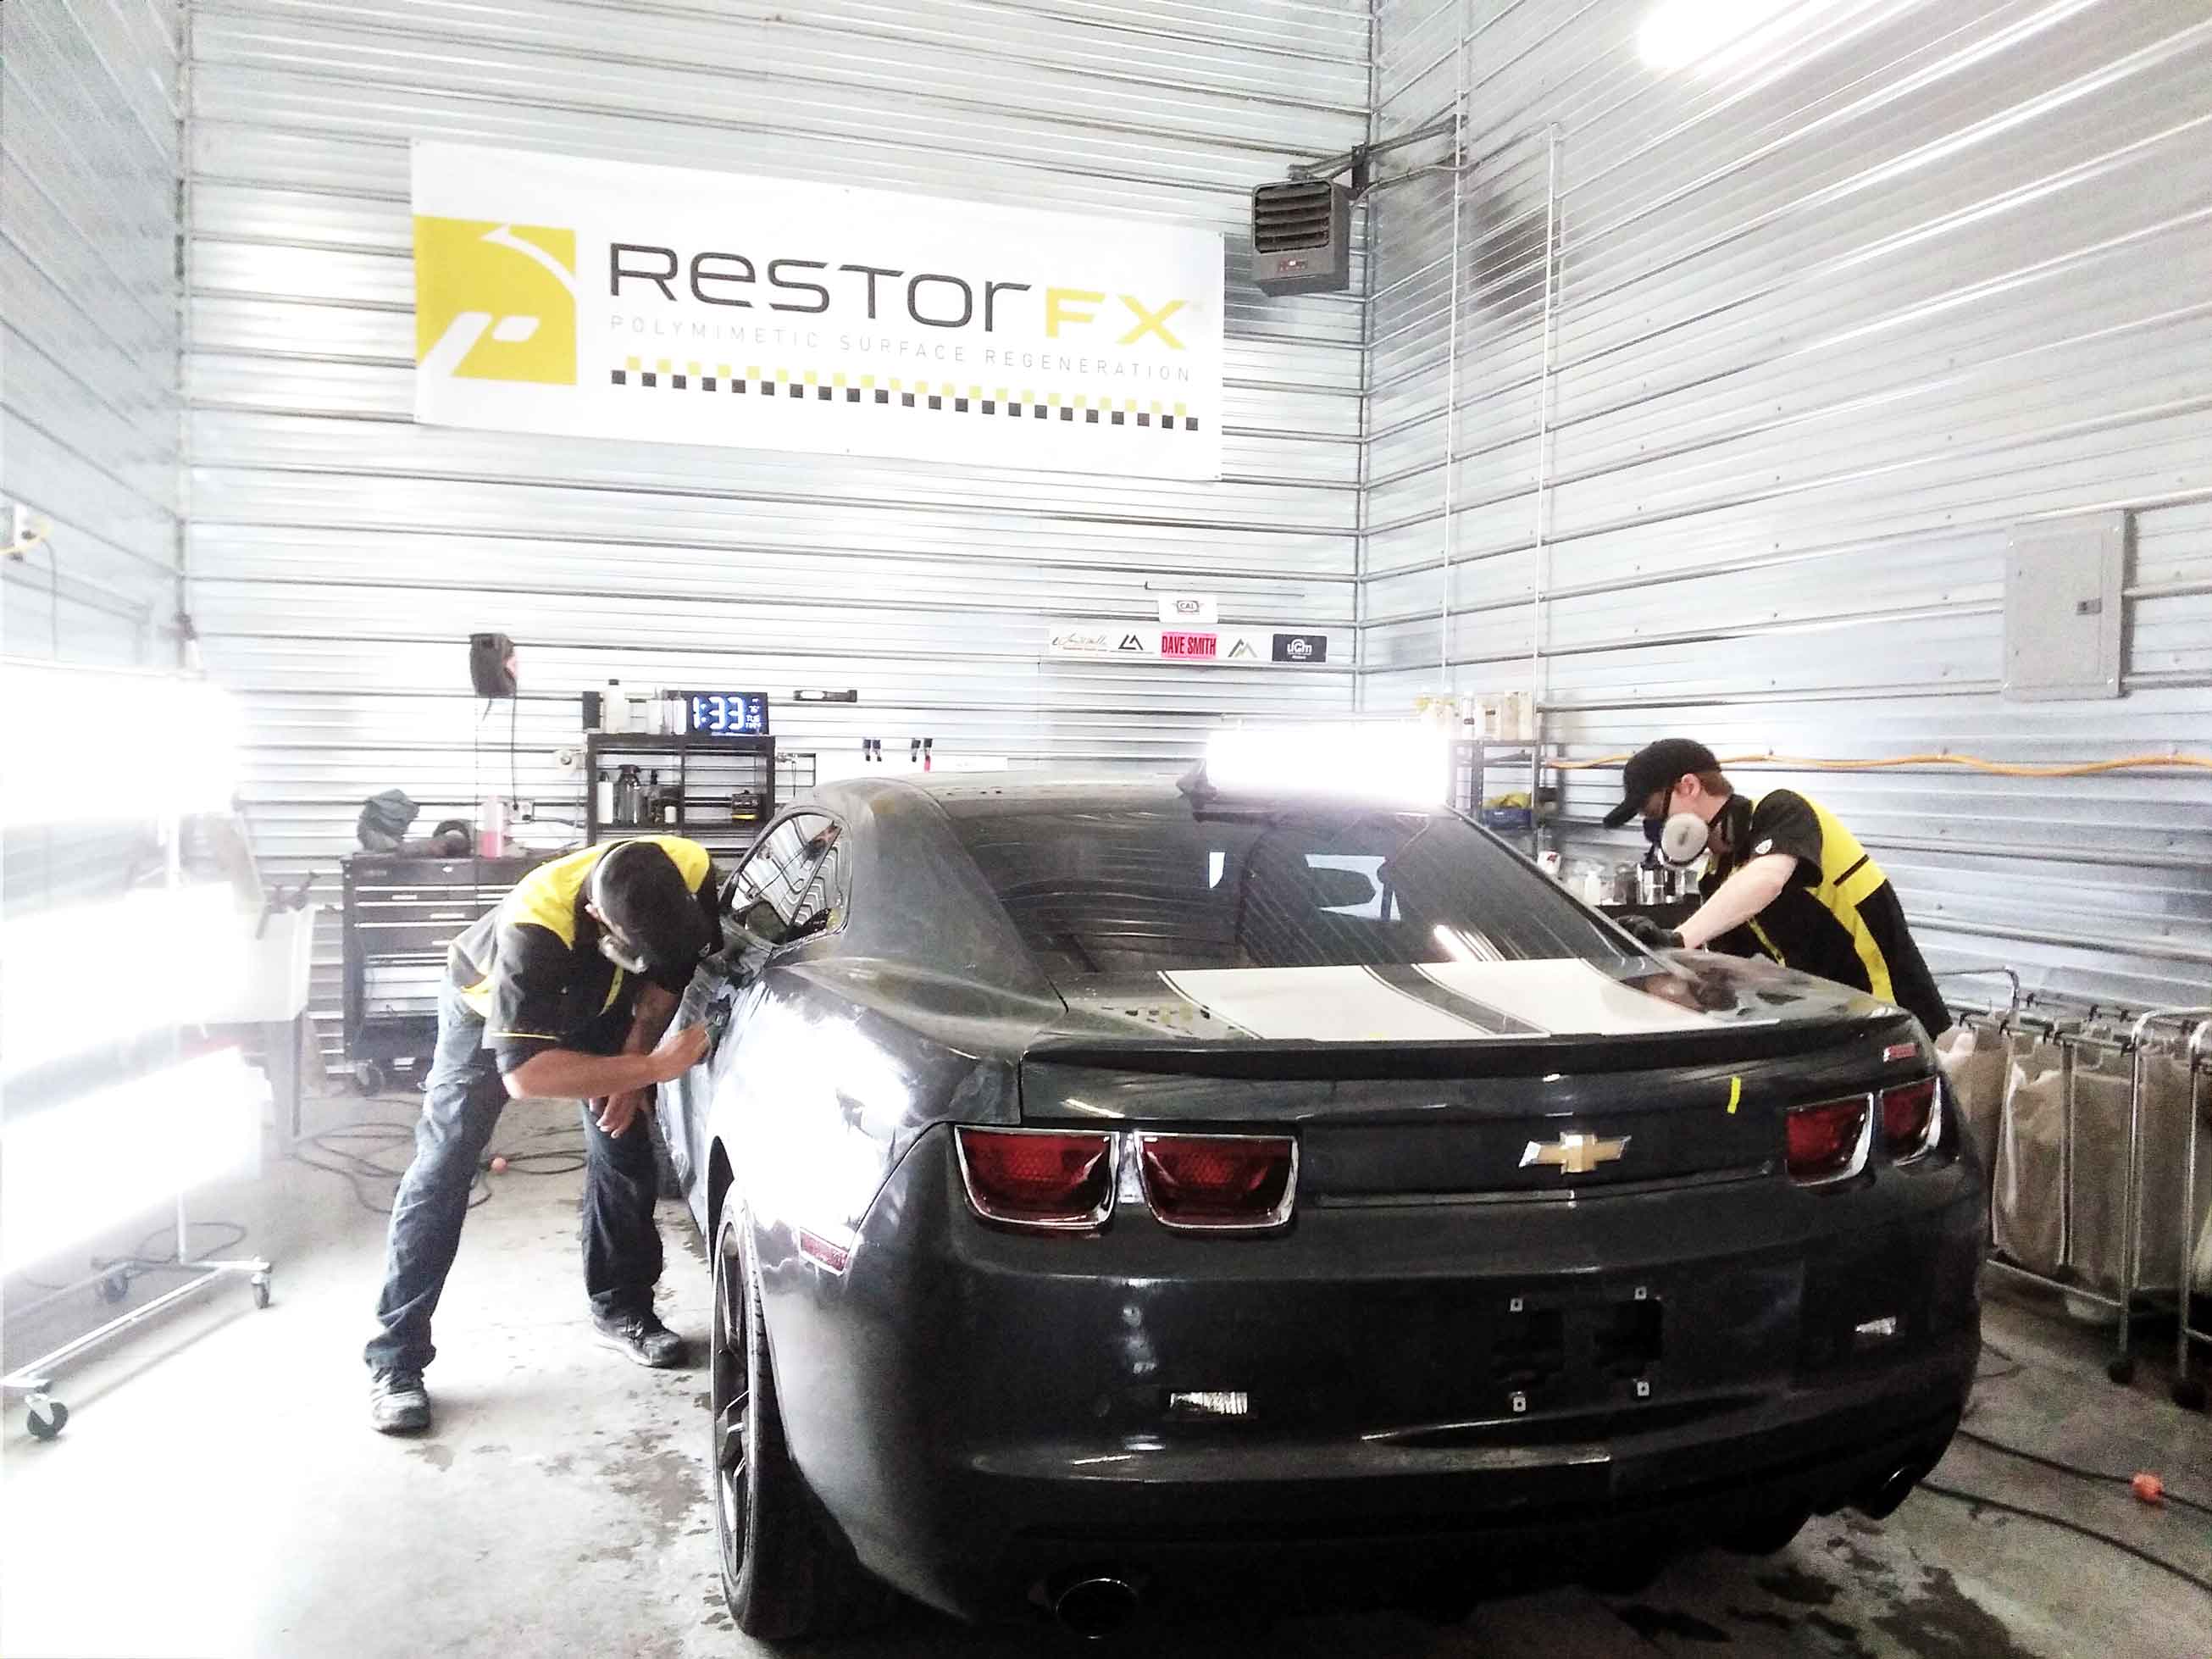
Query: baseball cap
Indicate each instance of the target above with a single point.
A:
(1654, 766)
(649, 918)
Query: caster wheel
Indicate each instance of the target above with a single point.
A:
(2122, 1371)
(46, 1418)
(261, 1290)
(113, 1288)
(368, 1078)
(2188, 1393)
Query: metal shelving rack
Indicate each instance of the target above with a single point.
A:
(1474, 758)
(726, 788)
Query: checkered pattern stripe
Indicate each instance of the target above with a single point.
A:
(809, 387)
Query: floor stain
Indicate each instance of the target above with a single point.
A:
(436, 1455)
(1853, 1646)
(1871, 1566)
(1807, 1590)
(1650, 1622)
(1942, 1622)
(1761, 1616)
(664, 1484)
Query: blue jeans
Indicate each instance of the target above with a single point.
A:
(461, 1105)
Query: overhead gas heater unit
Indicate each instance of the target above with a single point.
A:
(1302, 228)
(1302, 237)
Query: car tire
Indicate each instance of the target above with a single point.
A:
(784, 1575)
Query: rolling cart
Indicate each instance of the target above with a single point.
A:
(2098, 1258)
(45, 1415)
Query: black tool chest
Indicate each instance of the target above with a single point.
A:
(400, 914)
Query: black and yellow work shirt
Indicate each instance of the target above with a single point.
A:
(532, 970)
(1837, 918)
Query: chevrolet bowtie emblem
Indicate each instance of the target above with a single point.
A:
(1574, 1153)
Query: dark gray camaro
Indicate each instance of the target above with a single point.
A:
(1119, 1193)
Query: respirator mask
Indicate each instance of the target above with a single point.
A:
(1683, 838)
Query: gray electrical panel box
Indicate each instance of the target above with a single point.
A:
(2064, 606)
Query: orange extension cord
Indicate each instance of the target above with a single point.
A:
(2063, 770)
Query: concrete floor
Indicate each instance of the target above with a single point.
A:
(218, 1491)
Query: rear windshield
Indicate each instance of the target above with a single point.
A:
(1161, 888)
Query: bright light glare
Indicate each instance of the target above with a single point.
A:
(77, 981)
(70, 1172)
(93, 746)
(1466, 947)
(1407, 763)
(1713, 32)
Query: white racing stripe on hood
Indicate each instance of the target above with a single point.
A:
(1318, 1004)
(1565, 996)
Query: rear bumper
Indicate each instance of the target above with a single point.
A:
(980, 1412)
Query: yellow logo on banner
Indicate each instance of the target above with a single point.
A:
(494, 301)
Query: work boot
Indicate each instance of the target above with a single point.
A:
(640, 1337)
(397, 1402)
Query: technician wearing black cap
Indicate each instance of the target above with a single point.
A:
(565, 990)
(1783, 878)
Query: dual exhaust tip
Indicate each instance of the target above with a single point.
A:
(1880, 1500)
(1094, 1606)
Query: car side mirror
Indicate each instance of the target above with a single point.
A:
(758, 924)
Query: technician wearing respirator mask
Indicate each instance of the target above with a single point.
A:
(1782, 879)
(565, 990)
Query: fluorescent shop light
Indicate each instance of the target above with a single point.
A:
(92, 976)
(98, 745)
(1713, 32)
(68, 1173)
(1403, 763)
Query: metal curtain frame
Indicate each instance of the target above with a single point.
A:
(34, 1382)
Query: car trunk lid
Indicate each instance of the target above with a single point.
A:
(1504, 1079)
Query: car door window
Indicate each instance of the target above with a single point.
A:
(766, 895)
(822, 909)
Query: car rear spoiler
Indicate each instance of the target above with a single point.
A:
(1301, 1060)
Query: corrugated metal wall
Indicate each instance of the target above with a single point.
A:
(88, 318)
(1828, 317)
(340, 555)
(89, 368)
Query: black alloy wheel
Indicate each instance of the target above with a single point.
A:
(785, 1573)
(729, 1398)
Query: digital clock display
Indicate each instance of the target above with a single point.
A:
(725, 714)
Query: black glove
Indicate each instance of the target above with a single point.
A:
(1644, 930)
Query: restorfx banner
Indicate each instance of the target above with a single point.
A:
(604, 299)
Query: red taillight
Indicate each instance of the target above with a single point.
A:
(1038, 1177)
(1909, 1122)
(1219, 1182)
(1828, 1141)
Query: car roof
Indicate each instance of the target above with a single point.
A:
(963, 794)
